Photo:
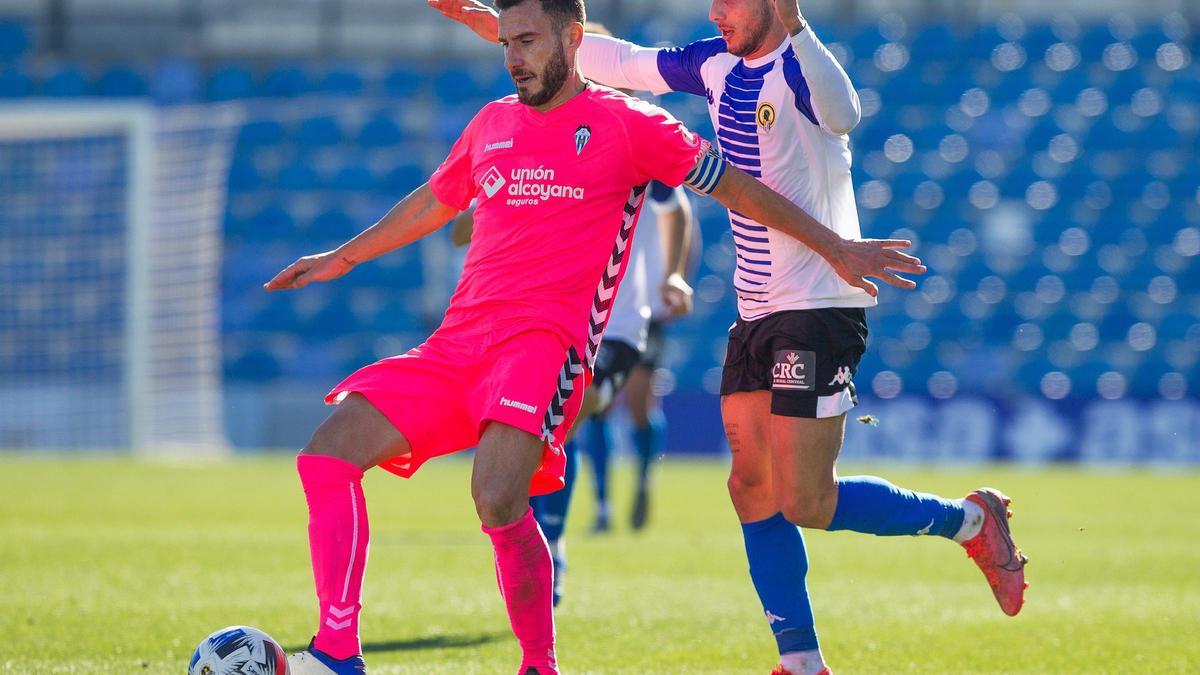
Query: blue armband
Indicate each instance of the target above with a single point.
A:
(704, 177)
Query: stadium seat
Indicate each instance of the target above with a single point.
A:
(317, 132)
(341, 81)
(379, 131)
(287, 81)
(175, 81)
(261, 132)
(354, 177)
(67, 82)
(403, 82)
(14, 41)
(299, 176)
(122, 82)
(244, 176)
(229, 83)
(14, 83)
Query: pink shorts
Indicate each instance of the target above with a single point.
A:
(442, 395)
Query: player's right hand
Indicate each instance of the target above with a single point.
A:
(857, 259)
(472, 14)
(310, 268)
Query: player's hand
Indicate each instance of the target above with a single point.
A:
(310, 268)
(472, 14)
(676, 296)
(857, 259)
(789, 14)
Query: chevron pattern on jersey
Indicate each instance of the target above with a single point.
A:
(602, 304)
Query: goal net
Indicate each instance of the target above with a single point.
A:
(110, 248)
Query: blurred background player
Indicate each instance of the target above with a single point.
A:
(783, 106)
(648, 424)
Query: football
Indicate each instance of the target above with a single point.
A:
(238, 650)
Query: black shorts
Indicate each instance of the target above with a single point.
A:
(614, 360)
(654, 345)
(806, 359)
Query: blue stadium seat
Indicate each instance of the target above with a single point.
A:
(244, 176)
(14, 41)
(122, 82)
(379, 131)
(229, 83)
(342, 81)
(335, 224)
(298, 175)
(273, 222)
(67, 82)
(354, 177)
(175, 81)
(287, 81)
(403, 82)
(254, 365)
(14, 84)
(320, 131)
(403, 179)
(261, 132)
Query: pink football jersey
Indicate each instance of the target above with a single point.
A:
(557, 197)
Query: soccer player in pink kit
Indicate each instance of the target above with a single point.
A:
(558, 173)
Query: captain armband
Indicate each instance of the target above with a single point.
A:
(709, 168)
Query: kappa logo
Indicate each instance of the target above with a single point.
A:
(926, 529)
(842, 377)
(773, 618)
(582, 135)
(492, 181)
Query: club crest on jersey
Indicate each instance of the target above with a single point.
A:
(765, 116)
(582, 135)
(492, 181)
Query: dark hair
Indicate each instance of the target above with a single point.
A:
(561, 12)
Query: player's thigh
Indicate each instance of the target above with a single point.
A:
(588, 407)
(746, 416)
(504, 464)
(357, 432)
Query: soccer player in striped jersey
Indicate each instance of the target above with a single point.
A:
(558, 186)
(782, 107)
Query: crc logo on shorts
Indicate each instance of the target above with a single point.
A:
(794, 370)
(492, 181)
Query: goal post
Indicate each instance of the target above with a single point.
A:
(110, 246)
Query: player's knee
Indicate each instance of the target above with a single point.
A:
(748, 489)
(812, 510)
(497, 508)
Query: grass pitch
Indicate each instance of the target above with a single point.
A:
(118, 566)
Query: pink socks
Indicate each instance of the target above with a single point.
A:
(525, 575)
(337, 540)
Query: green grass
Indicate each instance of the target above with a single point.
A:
(116, 566)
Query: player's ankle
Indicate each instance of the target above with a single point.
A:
(972, 524)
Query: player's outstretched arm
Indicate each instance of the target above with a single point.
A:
(831, 93)
(853, 259)
(415, 216)
(472, 14)
(675, 227)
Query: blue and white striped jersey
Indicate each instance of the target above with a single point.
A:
(769, 126)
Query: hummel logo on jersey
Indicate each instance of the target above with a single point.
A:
(582, 135)
(772, 618)
(498, 145)
(926, 529)
(842, 377)
(793, 370)
(509, 403)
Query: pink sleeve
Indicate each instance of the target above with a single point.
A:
(452, 183)
(663, 149)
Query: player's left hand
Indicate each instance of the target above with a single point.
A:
(677, 296)
(310, 268)
(789, 13)
(856, 259)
